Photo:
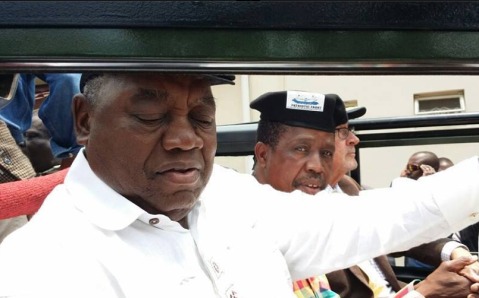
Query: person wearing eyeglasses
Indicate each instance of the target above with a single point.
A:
(293, 153)
(376, 278)
(421, 163)
(345, 150)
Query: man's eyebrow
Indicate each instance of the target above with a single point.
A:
(208, 100)
(148, 95)
(154, 95)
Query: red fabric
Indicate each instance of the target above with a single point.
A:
(26, 196)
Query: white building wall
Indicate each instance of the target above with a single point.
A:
(384, 96)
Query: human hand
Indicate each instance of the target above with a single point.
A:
(446, 281)
(427, 170)
(470, 271)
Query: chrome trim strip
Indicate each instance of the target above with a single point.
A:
(244, 67)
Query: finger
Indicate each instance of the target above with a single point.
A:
(458, 264)
(427, 170)
(474, 266)
(470, 274)
(473, 258)
(475, 288)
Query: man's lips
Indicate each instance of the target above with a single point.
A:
(309, 188)
(181, 176)
(180, 173)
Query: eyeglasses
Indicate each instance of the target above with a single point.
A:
(343, 132)
(412, 168)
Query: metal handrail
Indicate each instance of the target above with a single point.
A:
(239, 139)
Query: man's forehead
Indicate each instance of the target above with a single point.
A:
(151, 93)
(308, 133)
(416, 159)
(210, 80)
(154, 84)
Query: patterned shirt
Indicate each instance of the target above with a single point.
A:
(314, 287)
(14, 165)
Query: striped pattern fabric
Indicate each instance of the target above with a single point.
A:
(314, 287)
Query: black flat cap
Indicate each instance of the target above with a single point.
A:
(215, 79)
(302, 109)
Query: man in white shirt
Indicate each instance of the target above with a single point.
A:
(143, 211)
(293, 153)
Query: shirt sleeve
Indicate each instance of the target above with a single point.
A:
(329, 231)
(448, 248)
(315, 233)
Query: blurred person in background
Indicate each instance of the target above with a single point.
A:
(54, 111)
(14, 165)
(444, 163)
(37, 148)
(421, 163)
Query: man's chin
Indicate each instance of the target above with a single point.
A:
(309, 190)
(179, 215)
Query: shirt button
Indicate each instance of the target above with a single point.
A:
(474, 214)
(7, 160)
(154, 221)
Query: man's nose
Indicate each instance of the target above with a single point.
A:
(181, 134)
(315, 163)
(352, 139)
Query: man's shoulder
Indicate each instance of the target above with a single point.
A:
(46, 234)
(349, 185)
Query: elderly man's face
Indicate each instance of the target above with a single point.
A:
(300, 161)
(345, 156)
(152, 138)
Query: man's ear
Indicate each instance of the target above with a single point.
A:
(261, 153)
(81, 109)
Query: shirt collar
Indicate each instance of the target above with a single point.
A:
(103, 206)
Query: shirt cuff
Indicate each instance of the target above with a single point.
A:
(408, 291)
(448, 248)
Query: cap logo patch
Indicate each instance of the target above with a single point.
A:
(297, 100)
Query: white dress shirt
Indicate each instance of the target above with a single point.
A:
(244, 239)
